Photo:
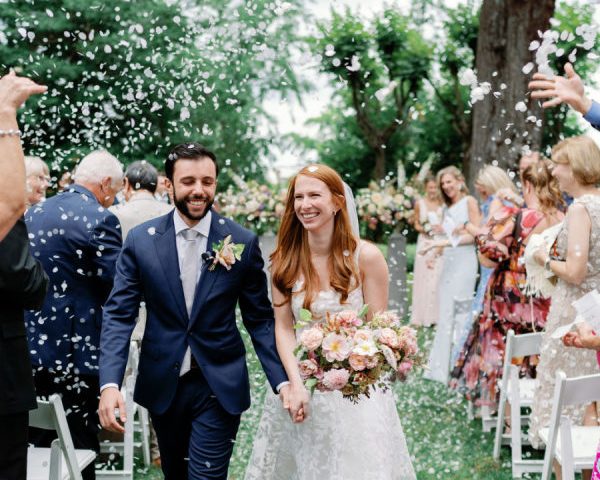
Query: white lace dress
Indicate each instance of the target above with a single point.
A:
(339, 440)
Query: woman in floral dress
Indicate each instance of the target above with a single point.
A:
(479, 366)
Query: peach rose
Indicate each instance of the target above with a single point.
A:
(308, 368)
(336, 378)
(357, 362)
(311, 339)
(388, 337)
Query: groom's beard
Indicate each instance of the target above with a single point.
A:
(181, 205)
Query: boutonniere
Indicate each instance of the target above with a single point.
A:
(225, 252)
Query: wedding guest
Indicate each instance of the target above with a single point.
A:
(459, 265)
(576, 265)
(22, 284)
(37, 178)
(569, 90)
(426, 272)
(506, 307)
(77, 240)
(163, 185)
(14, 91)
(489, 181)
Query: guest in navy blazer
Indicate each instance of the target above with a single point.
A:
(77, 240)
(193, 376)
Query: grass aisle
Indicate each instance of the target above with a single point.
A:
(442, 442)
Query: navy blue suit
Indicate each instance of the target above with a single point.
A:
(78, 242)
(213, 396)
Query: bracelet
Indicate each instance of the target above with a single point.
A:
(10, 133)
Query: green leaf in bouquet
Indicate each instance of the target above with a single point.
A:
(299, 350)
(305, 315)
(363, 311)
(311, 384)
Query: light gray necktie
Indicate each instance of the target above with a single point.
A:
(190, 264)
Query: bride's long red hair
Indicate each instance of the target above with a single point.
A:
(291, 258)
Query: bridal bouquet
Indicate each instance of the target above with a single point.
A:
(348, 354)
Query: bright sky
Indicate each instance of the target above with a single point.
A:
(291, 116)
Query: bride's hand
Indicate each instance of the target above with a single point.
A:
(296, 400)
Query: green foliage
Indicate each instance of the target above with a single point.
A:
(561, 122)
(136, 77)
(383, 67)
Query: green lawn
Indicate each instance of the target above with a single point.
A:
(442, 442)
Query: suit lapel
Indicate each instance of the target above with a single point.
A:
(166, 251)
(218, 231)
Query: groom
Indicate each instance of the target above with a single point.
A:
(193, 376)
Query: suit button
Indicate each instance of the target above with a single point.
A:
(177, 366)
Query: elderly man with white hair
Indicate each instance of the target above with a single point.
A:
(37, 179)
(77, 239)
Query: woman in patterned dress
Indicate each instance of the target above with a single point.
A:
(479, 366)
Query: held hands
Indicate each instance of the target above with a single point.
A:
(15, 90)
(569, 90)
(111, 398)
(295, 400)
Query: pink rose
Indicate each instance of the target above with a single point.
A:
(372, 362)
(388, 337)
(348, 318)
(336, 347)
(357, 362)
(387, 318)
(363, 336)
(336, 378)
(308, 368)
(403, 369)
(311, 339)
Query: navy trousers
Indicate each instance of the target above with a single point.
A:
(195, 435)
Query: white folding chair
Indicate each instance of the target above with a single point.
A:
(573, 447)
(50, 463)
(519, 392)
(133, 410)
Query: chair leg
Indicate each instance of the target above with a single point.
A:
(145, 423)
(55, 460)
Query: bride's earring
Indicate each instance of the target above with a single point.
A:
(333, 213)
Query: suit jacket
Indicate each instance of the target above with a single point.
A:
(78, 242)
(140, 208)
(23, 285)
(148, 266)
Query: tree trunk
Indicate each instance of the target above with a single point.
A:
(379, 170)
(506, 28)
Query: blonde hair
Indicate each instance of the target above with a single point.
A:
(457, 174)
(493, 178)
(582, 155)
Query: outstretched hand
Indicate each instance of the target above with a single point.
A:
(295, 401)
(15, 90)
(568, 89)
(110, 399)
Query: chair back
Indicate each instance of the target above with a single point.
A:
(567, 391)
(526, 344)
(50, 415)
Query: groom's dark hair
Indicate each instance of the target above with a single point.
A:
(190, 150)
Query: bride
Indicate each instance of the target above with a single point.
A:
(320, 264)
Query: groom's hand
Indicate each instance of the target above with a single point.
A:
(111, 398)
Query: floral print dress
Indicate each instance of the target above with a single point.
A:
(479, 366)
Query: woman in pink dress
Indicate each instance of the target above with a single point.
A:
(426, 272)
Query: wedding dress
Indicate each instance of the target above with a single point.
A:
(339, 440)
